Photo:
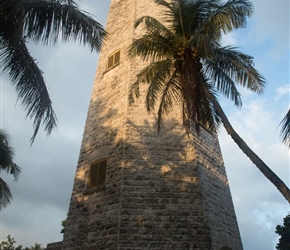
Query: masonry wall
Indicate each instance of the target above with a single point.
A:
(166, 191)
(54, 246)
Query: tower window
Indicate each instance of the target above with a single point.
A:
(113, 59)
(97, 174)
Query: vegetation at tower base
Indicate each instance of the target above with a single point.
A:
(7, 165)
(9, 245)
(190, 66)
(43, 21)
(285, 130)
(284, 232)
(63, 226)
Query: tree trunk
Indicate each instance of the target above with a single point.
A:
(269, 174)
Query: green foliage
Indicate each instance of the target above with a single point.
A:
(285, 130)
(44, 21)
(63, 226)
(187, 66)
(284, 232)
(35, 247)
(9, 245)
(7, 165)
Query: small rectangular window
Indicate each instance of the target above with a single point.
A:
(97, 174)
(117, 57)
(111, 62)
(113, 59)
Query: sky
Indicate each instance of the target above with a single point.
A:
(42, 193)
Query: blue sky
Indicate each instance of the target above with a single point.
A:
(41, 196)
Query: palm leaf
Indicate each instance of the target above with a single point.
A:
(170, 94)
(155, 74)
(223, 82)
(155, 43)
(29, 83)
(6, 156)
(223, 18)
(157, 77)
(285, 131)
(11, 19)
(150, 47)
(239, 67)
(7, 165)
(5, 194)
(46, 20)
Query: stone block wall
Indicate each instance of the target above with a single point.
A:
(54, 246)
(166, 191)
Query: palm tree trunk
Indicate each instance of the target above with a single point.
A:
(269, 174)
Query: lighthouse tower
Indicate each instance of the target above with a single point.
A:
(136, 189)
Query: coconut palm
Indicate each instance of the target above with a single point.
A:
(7, 165)
(285, 130)
(45, 21)
(188, 66)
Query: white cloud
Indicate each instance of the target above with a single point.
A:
(282, 90)
(259, 205)
(229, 39)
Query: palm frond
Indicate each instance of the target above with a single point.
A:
(223, 18)
(6, 156)
(188, 16)
(239, 67)
(5, 194)
(190, 38)
(223, 82)
(7, 165)
(155, 43)
(164, 3)
(48, 20)
(155, 74)
(152, 25)
(170, 94)
(157, 77)
(285, 130)
(212, 118)
(11, 19)
(144, 76)
(29, 83)
(150, 47)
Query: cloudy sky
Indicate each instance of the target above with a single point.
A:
(42, 194)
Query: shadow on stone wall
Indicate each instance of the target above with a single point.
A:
(166, 191)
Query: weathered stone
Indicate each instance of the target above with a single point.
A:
(166, 191)
(54, 246)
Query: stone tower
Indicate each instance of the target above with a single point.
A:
(135, 189)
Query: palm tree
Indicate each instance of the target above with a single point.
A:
(187, 65)
(45, 21)
(285, 130)
(7, 165)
